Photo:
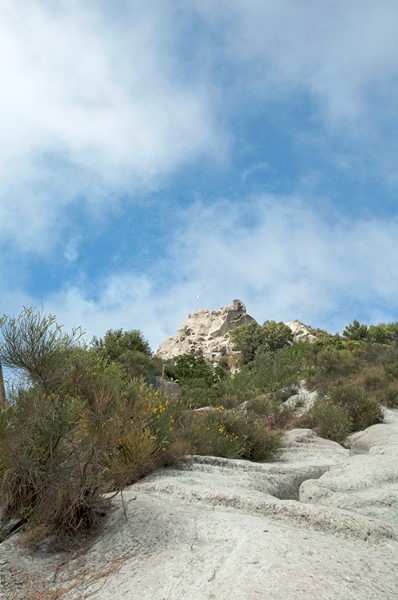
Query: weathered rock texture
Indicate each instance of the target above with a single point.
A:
(227, 529)
(206, 332)
(301, 332)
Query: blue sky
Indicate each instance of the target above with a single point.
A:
(153, 151)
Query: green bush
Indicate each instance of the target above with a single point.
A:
(231, 435)
(80, 429)
(271, 410)
(330, 420)
(131, 351)
(362, 409)
(252, 338)
(194, 369)
(391, 395)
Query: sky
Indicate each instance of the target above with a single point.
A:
(154, 151)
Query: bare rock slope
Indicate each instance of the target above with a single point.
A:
(321, 523)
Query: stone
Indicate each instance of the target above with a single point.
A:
(220, 528)
(301, 332)
(206, 332)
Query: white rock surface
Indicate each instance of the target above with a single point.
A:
(206, 332)
(367, 482)
(303, 401)
(231, 530)
(301, 332)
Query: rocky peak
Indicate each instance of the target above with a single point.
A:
(207, 332)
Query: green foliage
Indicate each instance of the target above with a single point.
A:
(383, 333)
(252, 338)
(331, 421)
(35, 345)
(356, 331)
(193, 369)
(271, 410)
(247, 340)
(80, 429)
(116, 343)
(130, 350)
(283, 368)
(222, 433)
(362, 409)
(276, 335)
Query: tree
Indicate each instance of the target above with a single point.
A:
(35, 345)
(356, 331)
(130, 350)
(248, 339)
(117, 342)
(383, 333)
(193, 369)
(252, 338)
(276, 335)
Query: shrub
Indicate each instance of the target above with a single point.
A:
(59, 454)
(82, 428)
(231, 435)
(252, 338)
(390, 398)
(355, 331)
(271, 410)
(131, 351)
(247, 340)
(276, 335)
(281, 369)
(194, 369)
(36, 346)
(362, 409)
(330, 420)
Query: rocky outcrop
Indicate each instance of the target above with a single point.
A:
(206, 332)
(319, 523)
(301, 332)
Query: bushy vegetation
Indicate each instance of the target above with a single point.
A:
(87, 420)
(253, 338)
(78, 426)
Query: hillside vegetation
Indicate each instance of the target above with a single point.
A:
(89, 419)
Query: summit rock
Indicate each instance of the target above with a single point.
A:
(206, 332)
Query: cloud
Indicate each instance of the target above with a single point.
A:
(289, 261)
(342, 53)
(94, 102)
(284, 260)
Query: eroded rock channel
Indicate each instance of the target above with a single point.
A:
(320, 523)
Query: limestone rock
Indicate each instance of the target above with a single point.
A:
(301, 332)
(206, 332)
(231, 529)
(367, 482)
(302, 401)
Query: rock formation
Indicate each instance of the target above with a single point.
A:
(301, 332)
(206, 332)
(321, 523)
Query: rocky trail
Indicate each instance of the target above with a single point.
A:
(320, 523)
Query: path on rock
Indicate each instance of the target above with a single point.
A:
(320, 523)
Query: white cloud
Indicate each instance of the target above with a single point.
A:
(344, 53)
(282, 259)
(91, 100)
